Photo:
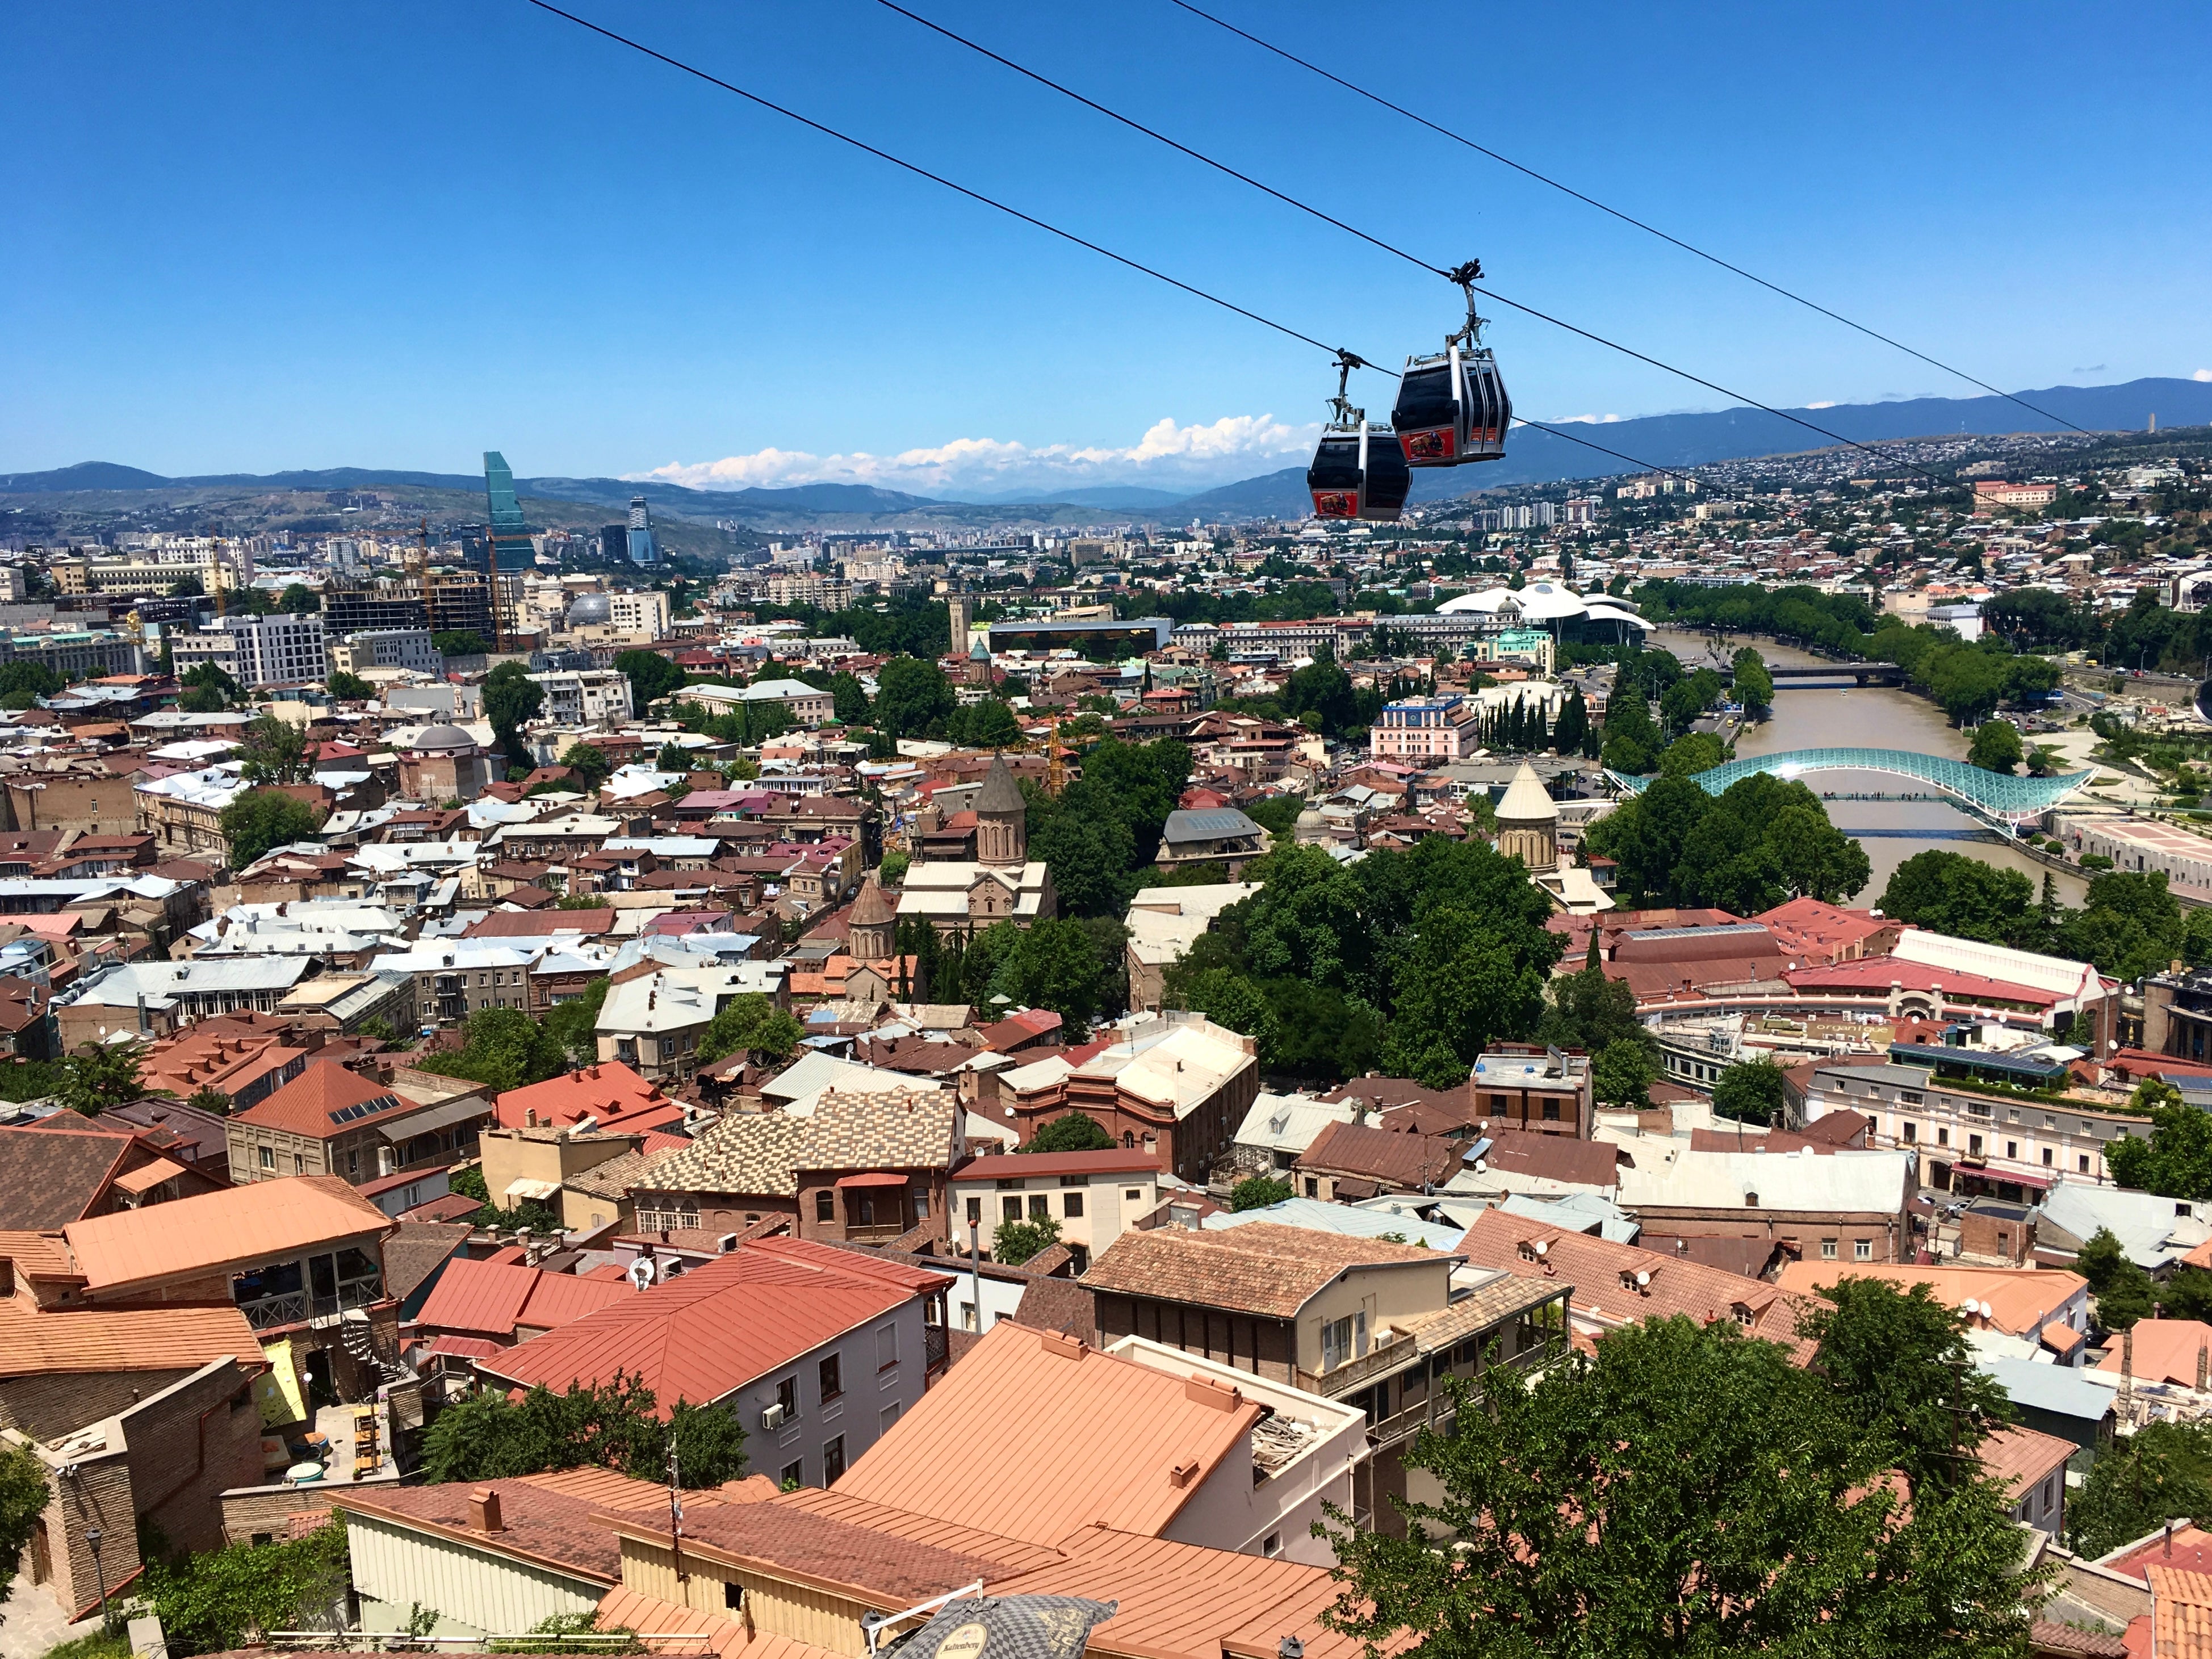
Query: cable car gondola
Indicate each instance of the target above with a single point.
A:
(1452, 407)
(1358, 470)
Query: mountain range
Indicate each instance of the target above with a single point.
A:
(1536, 457)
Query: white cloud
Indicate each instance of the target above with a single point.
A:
(2202, 375)
(1825, 403)
(1166, 454)
(1588, 420)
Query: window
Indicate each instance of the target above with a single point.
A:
(921, 1206)
(1497, 1102)
(974, 1211)
(1911, 1098)
(1273, 1544)
(733, 1596)
(299, 1165)
(1973, 1146)
(888, 1415)
(1040, 1206)
(1313, 1186)
(1912, 1133)
(825, 1205)
(792, 1474)
(2083, 1160)
(1335, 1343)
(1863, 1249)
(2047, 1495)
(832, 1383)
(353, 1162)
(1551, 1111)
(1942, 1136)
(268, 1158)
(1012, 1208)
(1827, 1250)
(2012, 1149)
(886, 1347)
(2046, 1158)
(1073, 1203)
(1132, 1194)
(833, 1461)
(786, 1395)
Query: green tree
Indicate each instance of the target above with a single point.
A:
(589, 759)
(459, 643)
(23, 1499)
(2123, 1292)
(1014, 1241)
(1691, 753)
(1463, 985)
(651, 676)
(25, 676)
(1755, 685)
(261, 819)
(893, 869)
(186, 587)
(1071, 1132)
(2131, 926)
(848, 700)
(299, 600)
(1055, 965)
(216, 1600)
(989, 723)
(1235, 1003)
(275, 752)
(574, 1023)
(1573, 729)
(210, 676)
(1951, 893)
(510, 698)
(1751, 1091)
(1762, 842)
(673, 757)
(1898, 1368)
(2161, 1472)
(1622, 1073)
(350, 687)
(1324, 689)
(1588, 1012)
(750, 1024)
(1997, 747)
(911, 696)
(487, 1436)
(1258, 1192)
(502, 1048)
(1685, 1490)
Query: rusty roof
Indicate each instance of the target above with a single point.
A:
(1098, 1438)
(1259, 1268)
(494, 1298)
(708, 1333)
(239, 1226)
(171, 1336)
(51, 1177)
(822, 1551)
(325, 1100)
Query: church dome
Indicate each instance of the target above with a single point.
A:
(1526, 801)
(442, 740)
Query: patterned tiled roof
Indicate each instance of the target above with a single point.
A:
(1260, 1269)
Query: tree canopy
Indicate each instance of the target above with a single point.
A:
(1071, 1132)
(651, 676)
(1763, 842)
(1751, 1091)
(261, 819)
(1688, 1489)
(487, 1436)
(502, 1048)
(911, 696)
(750, 1024)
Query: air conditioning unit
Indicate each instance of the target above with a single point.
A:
(772, 1417)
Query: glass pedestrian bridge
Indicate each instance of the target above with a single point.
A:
(2011, 801)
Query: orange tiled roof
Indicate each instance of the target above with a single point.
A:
(1098, 1438)
(609, 1091)
(241, 1226)
(171, 1336)
(1260, 1269)
(319, 1103)
(2022, 1300)
(2165, 1350)
(2181, 1614)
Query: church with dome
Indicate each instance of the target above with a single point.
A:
(444, 762)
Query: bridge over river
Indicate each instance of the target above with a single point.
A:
(2002, 800)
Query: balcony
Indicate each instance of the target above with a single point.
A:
(872, 1234)
(274, 1310)
(1386, 1360)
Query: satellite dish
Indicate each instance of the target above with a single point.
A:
(641, 1271)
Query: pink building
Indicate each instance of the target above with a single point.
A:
(1425, 728)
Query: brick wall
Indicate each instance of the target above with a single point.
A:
(186, 1446)
(51, 1404)
(250, 1512)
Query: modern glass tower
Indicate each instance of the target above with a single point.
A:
(643, 550)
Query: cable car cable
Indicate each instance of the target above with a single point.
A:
(933, 178)
(1626, 219)
(1031, 218)
(1387, 248)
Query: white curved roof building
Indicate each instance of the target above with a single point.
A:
(1488, 602)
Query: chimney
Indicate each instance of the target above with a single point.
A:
(2203, 1366)
(483, 1510)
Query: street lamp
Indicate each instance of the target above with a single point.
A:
(100, 1572)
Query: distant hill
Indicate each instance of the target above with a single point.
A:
(85, 475)
(1533, 456)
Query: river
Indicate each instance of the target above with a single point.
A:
(1870, 717)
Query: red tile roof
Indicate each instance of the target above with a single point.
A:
(710, 1332)
(492, 1298)
(241, 1226)
(611, 1092)
(321, 1101)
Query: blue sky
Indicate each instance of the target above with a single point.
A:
(257, 236)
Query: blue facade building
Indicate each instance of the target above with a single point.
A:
(643, 550)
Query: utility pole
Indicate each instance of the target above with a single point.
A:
(675, 1508)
